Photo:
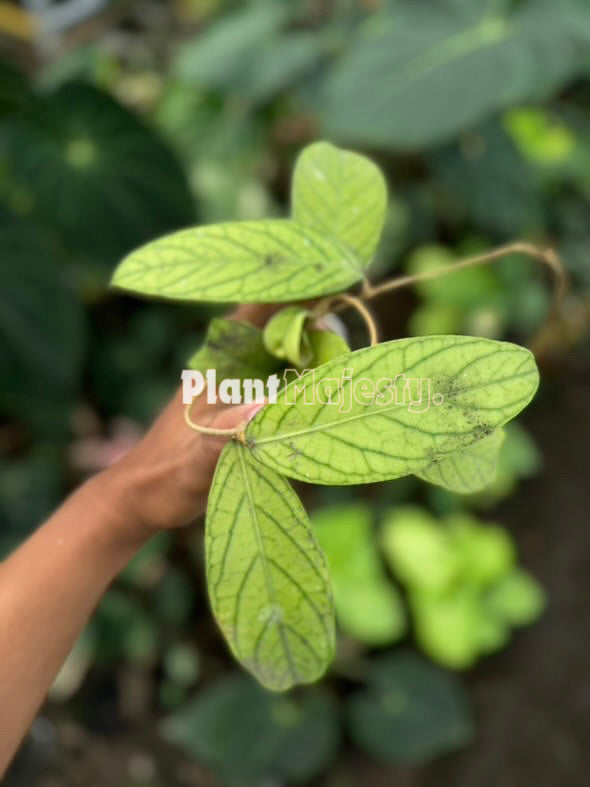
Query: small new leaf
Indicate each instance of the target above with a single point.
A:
(344, 423)
(468, 470)
(272, 260)
(343, 195)
(286, 338)
(267, 577)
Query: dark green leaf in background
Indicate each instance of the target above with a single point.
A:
(236, 350)
(251, 736)
(97, 175)
(416, 75)
(410, 712)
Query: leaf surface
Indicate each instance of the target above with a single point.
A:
(342, 194)
(362, 438)
(267, 577)
(417, 74)
(235, 349)
(468, 470)
(253, 261)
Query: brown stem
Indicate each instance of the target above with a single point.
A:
(546, 256)
(345, 299)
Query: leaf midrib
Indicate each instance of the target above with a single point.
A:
(381, 411)
(265, 569)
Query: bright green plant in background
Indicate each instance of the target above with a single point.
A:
(267, 576)
(463, 588)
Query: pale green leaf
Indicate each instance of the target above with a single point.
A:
(236, 350)
(468, 470)
(517, 599)
(342, 194)
(419, 550)
(255, 261)
(368, 606)
(267, 577)
(372, 436)
(487, 551)
(285, 337)
(326, 345)
(447, 625)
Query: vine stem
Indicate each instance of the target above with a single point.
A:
(238, 432)
(545, 255)
(356, 303)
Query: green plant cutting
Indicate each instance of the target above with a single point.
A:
(267, 577)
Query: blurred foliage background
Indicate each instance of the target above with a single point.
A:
(121, 121)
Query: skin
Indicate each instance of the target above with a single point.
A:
(50, 586)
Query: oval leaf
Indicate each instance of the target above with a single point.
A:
(372, 432)
(342, 194)
(469, 470)
(255, 261)
(267, 577)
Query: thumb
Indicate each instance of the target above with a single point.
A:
(231, 417)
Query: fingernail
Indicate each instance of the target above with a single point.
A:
(253, 409)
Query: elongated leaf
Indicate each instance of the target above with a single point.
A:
(373, 432)
(418, 74)
(468, 470)
(255, 261)
(267, 577)
(342, 194)
(235, 349)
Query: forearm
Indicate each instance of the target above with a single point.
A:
(48, 589)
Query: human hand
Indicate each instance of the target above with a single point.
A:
(163, 481)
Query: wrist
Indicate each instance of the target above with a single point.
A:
(121, 526)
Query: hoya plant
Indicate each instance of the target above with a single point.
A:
(431, 406)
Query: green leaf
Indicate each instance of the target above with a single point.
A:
(419, 550)
(285, 337)
(367, 606)
(254, 261)
(219, 56)
(236, 350)
(410, 712)
(41, 324)
(267, 577)
(280, 63)
(487, 551)
(342, 194)
(325, 346)
(447, 626)
(483, 383)
(417, 74)
(468, 470)
(119, 185)
(517, 599)
(252, 737)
